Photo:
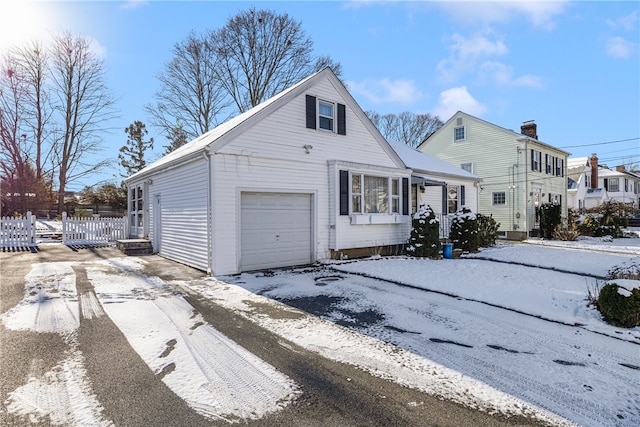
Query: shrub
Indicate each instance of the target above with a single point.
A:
(607, 221)
(425, 234)
(566, 233)
(550, 218)
(620, 306)
(464, 230)
(487, 229)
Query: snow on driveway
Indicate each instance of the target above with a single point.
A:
(215, 376)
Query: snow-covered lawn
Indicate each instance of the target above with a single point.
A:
(485, 334)
(490, 333)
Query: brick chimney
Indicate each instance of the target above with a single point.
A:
(529, 128)
(620, 168)
(594, 171)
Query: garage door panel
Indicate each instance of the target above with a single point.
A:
(275, 230)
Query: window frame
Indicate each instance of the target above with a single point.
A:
(470, 169)
(611, 181)
(494, 194)
(455, 133)
(391, 207)
(320, 116)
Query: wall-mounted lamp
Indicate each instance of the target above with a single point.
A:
(307, 148)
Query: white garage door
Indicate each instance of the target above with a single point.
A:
(275, 230)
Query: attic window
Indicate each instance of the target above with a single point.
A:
(325, 115)
(458, 134)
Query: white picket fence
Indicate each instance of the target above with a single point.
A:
(18, 232)
(21, 232)
(76, 230)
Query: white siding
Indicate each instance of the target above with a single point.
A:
(270, 157)
(183, 216)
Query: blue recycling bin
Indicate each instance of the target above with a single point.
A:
(447, 250)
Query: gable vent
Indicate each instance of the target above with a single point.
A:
(459, 121)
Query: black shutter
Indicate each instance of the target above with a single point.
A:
(311, 112)
(342, 120)
(445, 204)
(405, 196)
(344, 192)
(462, 196)
(606, 184)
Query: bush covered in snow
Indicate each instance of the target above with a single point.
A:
(619, 305)
(425, 234)
(487, 229)
(464, 230)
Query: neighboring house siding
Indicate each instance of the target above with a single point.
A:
(183, 219)
(503, 160)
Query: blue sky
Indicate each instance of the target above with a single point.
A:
(573, 67)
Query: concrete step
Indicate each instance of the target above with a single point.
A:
(135, 246)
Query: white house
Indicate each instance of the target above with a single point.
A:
(436, 183)
(591, 184)
(519, 172)
(301, 177)
(583, 190)
(622, 186)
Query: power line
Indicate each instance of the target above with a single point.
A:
(600, 143)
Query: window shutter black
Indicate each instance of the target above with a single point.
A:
(344, 192)
(462, 203)
(342, 120)
(445, 204)
(405, 196)
(606, 184)
(311, 112)
(533, 165)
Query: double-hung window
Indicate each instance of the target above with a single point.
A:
(549, 160)
(536, 166)
(559, 167)
(458, 134)
(326, 115)
(395, 195)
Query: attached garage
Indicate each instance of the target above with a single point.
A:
(276, 230)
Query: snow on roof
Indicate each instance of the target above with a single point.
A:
(575, 162)
(595, 193)
(426, 163)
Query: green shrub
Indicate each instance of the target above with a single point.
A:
(83, 213)
(620, 306)
(487, 229)
(464, 230)
(550, 218)
(425, 234)
(607, 221)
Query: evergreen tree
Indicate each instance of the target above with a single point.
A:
(177, 138)
(425, 234)
(464, 230)
(132, 153)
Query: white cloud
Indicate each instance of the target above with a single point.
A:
(541, 14)
(386, 91)
(458, 99)
(627, 22)
(26, 23)
(503, 75)
(619, 47)
(465, 53)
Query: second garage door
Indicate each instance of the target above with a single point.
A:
(275, 230)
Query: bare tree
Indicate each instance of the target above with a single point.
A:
(84, 105)
(32, 63)
(190, 92)
(407, 127)
(261, 53)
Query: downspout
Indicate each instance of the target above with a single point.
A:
(526, 185)
(207, 156)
